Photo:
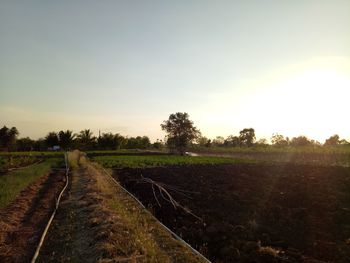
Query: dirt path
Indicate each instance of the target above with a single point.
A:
(23, 221)
(71, 237)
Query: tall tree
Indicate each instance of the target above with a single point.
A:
(247, 137)
(279, 140)
(86, 139)
(232, 141)
(180, 131)
(51, 139)
(300, 141)
(110, 141)
(25, 144)
(8, 137)
(66, 139)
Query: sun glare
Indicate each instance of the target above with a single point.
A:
(312, 102)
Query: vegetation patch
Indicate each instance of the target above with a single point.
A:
(14, 182)
(162, 160)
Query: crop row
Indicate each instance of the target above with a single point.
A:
(160, 160)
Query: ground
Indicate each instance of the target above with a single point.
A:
(23, 221)
(262, 212)
(96, 222)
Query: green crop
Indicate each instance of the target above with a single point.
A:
(161, 160)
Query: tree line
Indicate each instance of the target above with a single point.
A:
(180, 134)
(84, 140)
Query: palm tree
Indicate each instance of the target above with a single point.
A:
(86, 138)
(66, 139)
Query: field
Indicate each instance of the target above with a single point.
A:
(16, 181)
(27, 197)
(243, 206)
(96, 220)
(267, 210)
(13, 160)
(334, 156)
(162, 160)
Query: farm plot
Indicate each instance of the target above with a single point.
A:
(14, 160)
(162, 160)
(27, 197)
(324, 158)
(250, 212)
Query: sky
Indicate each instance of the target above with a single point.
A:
(125, 66)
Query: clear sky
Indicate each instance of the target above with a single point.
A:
(124, 66)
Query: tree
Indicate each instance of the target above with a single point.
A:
(300, 141)
(158, 144)
(180, 131)
(279, 140)
(343, 142)
(8, 137)
(333, 140)
(219, 141)
(232, 141)
(51, 139)
(25, 144)
(203, 141)
(66, 139)
(138, 142)
(40, 145)
(120, 141)
(247, 137)
(110, 141)
(86, 139)
(262, 143)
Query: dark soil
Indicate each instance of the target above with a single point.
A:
(253, 213)
(23, 221)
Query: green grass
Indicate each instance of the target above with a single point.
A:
(9, 160)
(3, 162)
(125, 152)
(12, 183)
(33, 154)
(161, 160)
(339, 149)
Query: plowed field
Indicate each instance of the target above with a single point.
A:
(252, 212)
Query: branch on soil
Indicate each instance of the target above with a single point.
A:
(166, 195)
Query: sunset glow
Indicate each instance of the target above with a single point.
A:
(276, 67)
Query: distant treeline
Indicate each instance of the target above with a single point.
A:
(246, 138)
(85, 140)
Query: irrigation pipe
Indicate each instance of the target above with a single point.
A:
(164, 226)
(53, 213)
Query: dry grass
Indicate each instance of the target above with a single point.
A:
(131, 233)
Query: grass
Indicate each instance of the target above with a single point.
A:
(14, 182)
(144, 233)
(125, 152)
(339, 149)
(9, 160)
(33, 154)
(161, 160)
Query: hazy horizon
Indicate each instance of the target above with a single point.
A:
(124, 66)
